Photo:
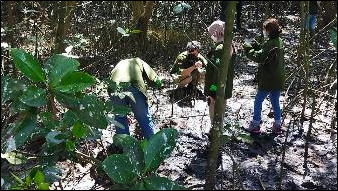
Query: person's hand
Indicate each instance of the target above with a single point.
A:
(198, 64)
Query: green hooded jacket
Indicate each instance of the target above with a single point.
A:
(270, 59)
(135, 71)
(211, 76)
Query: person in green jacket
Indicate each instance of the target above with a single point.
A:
(188, 69)
(134, 72)
(271, 73)
(216, 29)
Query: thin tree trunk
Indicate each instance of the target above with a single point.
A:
(63, 24)
(10, 36)
(140, 16)
(137, 7)
(305, 59)
(308, 134)
(217, 126)
(301, 47)
(144, 19)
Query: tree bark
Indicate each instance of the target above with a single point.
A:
(10, 36)
(141, 15)
(216, 130)
(137, 7)
(305, 60)
(63, 24)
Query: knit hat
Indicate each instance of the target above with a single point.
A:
(216, 30)
(193, 45)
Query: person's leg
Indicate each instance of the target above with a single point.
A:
(121, 119)
(274, 99)
(141, 113)
(260, 96)
(312, 25)
(184, 81)
(254, 126)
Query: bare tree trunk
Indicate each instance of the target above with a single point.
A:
(137, 7)
(141, 15)
(267, 10)
(305, 60)
(301, 48)
(217, 126)
(308, 134)
(10, 36)
(63, 24)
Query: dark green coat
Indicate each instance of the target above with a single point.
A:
(211, 75)
(270, 59)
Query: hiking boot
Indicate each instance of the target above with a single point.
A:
(253, 128)
(277, 129)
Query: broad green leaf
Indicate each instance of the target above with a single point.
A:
(114, 122)
(70, 145)
(17, 178)
(161, 183)
(48, 120)
(121, 110)
(143, 144)
(91, 112)
(28, 65)
(34, 97)
(159, 147)
(39, 177)
(67, 99)
(21, 133)
(75, 82)
(43, 186)
(59, 66)
(14, 158)
(78, 129)
(108, 106)
(52, 137)
(10, 88)
(133, 150)
(135, 31)
(138, 186)
(68, 120)
(121, 30)
(245, 137)
(52, 174)
(18, 107)
(92, 133)
(119, 168)
(180, 7)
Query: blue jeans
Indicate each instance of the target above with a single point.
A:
(274, 99)
(310, 21)
(140, 110)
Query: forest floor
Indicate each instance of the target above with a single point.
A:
(258, 163)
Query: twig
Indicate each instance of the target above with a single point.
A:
(87, 158)
(308, 134)
(260, 180)
(279, 180)
(194, 116)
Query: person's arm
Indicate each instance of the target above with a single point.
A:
(186, 72)
(151, 77)
(259, 56)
